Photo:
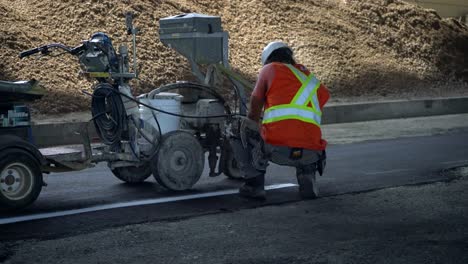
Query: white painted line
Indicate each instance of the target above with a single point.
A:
(455, 162)
(161, 200)
(386, 172)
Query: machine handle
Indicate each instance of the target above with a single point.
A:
(129, 22)
(45, 49)
(29, 52)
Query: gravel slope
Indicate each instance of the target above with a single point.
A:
(376, 48)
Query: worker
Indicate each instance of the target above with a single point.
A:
(292, 99)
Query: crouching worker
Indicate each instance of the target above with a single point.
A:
(292, 99)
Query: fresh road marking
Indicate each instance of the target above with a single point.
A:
(161, 200)
(386, 172)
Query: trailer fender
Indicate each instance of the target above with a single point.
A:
(11, 141)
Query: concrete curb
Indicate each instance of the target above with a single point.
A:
(68, 133)
(394, 109)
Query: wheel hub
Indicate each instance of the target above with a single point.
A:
(10, 180)
(16, 181)
(178, 160)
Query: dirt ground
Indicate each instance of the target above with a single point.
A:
(359, 49)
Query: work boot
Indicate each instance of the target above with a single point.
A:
(254, 188)
(308, 188)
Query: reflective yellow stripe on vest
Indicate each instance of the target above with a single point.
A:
(298, 108)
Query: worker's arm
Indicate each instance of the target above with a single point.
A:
(256, 105)
(258, 97)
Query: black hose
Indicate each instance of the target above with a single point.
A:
(159, 126)
(155, 146)
(236, 91)
(108, 114)
(172, 87)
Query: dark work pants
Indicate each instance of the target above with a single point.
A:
(253, 160)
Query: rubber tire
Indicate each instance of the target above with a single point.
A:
(160, 165)
(132, 174)
(231, 170)
(13, 155)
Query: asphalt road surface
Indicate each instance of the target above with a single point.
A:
(93, 199)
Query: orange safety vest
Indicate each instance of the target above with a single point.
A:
(293, 109)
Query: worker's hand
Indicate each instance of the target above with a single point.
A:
(247, 129)
(248, 123)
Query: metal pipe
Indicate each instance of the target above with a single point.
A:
(134, 31)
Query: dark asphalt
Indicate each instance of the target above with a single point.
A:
(351, 168)
(409, 224)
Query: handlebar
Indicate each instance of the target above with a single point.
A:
(45, 49)
(29, 52)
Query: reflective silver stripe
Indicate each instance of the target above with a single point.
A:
(306, 93)
(316, 102)
(310, 88)
(298, 73)
(298, 108)
(274, 115)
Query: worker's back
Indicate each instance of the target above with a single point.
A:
(286, 123)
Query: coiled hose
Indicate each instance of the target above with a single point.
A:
(108, 114)
(109, 111)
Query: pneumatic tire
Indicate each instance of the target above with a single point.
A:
(132, 174)
(20, 179)
(179, 162)
(231, 167)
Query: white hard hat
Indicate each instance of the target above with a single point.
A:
(272, 46)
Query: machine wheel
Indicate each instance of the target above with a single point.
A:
(231, 167)
(20, 179)
(179, 162)
(132, 174)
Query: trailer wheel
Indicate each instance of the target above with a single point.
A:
(132, 174)
(20, 179)
(179, 162)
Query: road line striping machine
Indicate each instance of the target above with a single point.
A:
(162, 133)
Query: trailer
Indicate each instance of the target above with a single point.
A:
(21, 162)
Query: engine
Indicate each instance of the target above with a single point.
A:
(99, 55)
